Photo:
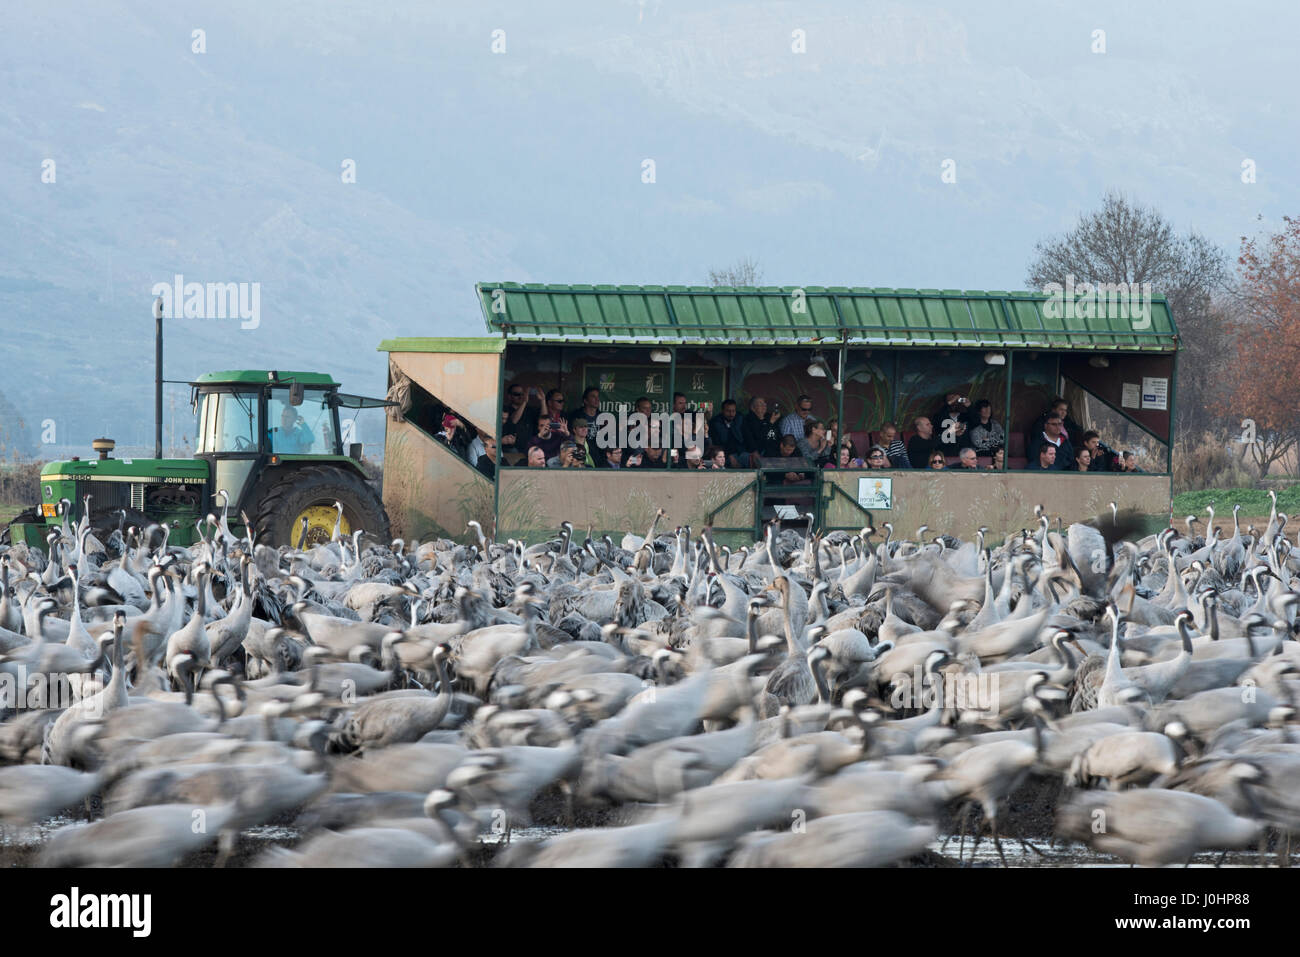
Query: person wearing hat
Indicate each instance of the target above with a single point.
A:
(452, 435)
(586, 452)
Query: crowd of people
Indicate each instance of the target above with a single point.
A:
(538, 432)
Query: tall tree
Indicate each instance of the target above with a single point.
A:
(744, 272)
(1263, 395)
(1127, 242)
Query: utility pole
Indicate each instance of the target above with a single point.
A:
(157, 377)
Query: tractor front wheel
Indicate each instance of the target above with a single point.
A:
(309, 494)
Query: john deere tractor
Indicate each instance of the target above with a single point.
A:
(269, 447)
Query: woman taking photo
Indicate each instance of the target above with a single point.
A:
(814, 446)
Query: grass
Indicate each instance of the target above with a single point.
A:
(1254, 502)
(7, 513)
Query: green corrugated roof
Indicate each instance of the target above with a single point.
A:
(470, 344)
(767, 314)
(263, 376)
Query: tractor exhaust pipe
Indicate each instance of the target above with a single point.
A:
(157, 376)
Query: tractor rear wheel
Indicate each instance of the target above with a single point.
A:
(310, 493)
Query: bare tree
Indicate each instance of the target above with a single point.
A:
(1130, 243)
(745, 272)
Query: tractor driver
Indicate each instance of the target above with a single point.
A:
(293, 435)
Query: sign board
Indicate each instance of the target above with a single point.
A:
(1155, 393)
(621, 385)
(877, 493)
(1131, 397)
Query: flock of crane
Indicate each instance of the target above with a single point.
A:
(811, 700)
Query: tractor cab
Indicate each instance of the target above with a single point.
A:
(251, 420)
(243, 414)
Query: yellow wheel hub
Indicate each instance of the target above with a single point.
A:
(320, 525)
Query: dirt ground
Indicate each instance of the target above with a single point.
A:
(1029, 813)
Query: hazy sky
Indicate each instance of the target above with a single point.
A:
(809, 136)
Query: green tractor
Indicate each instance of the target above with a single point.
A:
(269, 448)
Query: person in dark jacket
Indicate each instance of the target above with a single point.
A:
(1060, 409)
(957, 408)
(547, 439)
(487, 461)
(1053, 434)
(788, 449)
(1104, 458)
(922, 444)
(726, 433)
(519, 418)
(760, 434)
(453, 435)
(590, 407)
(651, 457)
(1045, 460)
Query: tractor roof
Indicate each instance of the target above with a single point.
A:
(263, 376)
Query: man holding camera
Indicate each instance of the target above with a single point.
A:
(950, 422)
(759, 429)
(1104, 458)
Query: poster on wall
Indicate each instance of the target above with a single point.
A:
(1155, 393)
(877, 493)
(1131, 396)
(621, 385)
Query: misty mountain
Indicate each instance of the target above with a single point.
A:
(526, 165)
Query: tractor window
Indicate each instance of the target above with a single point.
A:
(228, 422)
(306, 429)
